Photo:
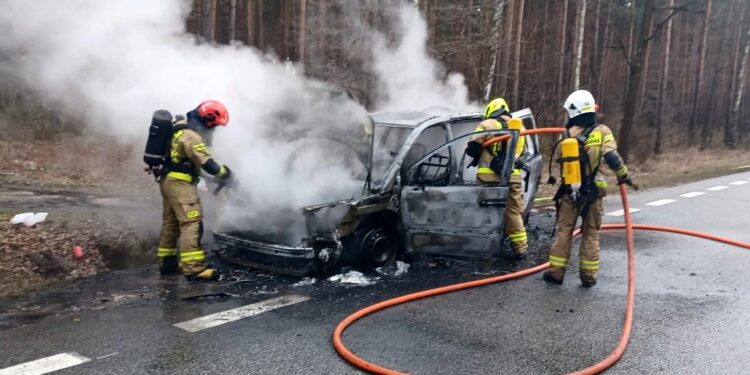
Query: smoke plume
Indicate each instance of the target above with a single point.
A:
(290, 141)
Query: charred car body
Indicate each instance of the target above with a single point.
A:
(418, 197)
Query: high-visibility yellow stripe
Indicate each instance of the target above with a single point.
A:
(558, 261)
(608, 138)
(192, 256)
(517, 171)
(520, 238)
(622, 170)
(601, 183)
(174, 154)
(200, 147)
(485, 170)
(193, 214)
(166, 252)
(180, 176)
(589, 265)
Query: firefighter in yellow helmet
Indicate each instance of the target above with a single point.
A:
(593, 142)
(496, 117)
(182, 215)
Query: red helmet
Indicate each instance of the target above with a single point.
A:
(213, 113)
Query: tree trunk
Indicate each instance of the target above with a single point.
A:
(250, 22)
(303, 30)
(232, 19)
(699, 76)
(741, 86)
(495, 42)
(644, 78)
(561, 65)
(504, 76)
(631, 40)
(597, 50)
(581, 23)
(517, 65)
(603, 72)
(729, 129)
(663, 80)
(261, 29)
(634, 71)
(212, 21)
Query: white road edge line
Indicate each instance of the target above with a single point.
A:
(622, 212)
(46, 365)
(217, 319)
(692, 194)
(738, 183)
(660, 202)
(717, 188)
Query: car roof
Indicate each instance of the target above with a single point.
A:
(413, 119)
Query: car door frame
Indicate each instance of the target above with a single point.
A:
(472, 219)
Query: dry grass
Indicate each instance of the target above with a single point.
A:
(75, 160)
(680, 166)
(672, 168)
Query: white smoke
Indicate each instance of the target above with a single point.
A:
(408, 77)
(114, 62)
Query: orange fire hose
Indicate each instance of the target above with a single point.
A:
(604, 364)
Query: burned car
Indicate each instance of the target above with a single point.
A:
(418, 197)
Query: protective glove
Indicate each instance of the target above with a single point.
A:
(625, 179)
(224, 180)
(474, 150)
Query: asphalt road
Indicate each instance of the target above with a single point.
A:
(692, 309)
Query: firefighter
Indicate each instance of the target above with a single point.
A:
(594, 142)
(496, 117)
(183, 217)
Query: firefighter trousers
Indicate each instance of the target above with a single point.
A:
(567, 215)
(514, 226)
(182, 220)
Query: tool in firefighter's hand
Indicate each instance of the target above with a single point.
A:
(571, 165)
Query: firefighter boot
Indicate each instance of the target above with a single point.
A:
(208, 274)
(554, 275)
(168, 265)
(588, 279)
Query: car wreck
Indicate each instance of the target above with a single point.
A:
(418, 197)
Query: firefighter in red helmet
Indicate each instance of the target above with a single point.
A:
(187, 155)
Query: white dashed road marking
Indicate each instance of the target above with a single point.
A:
(622, 212)
(660, 202)
(717, 188)
(737, 183)
(46, 365)
(693, 194)
(213, 320)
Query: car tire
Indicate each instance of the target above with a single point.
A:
(375, 247)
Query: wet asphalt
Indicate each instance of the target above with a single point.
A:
(692, 309)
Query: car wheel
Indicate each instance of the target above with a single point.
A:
(375, 247)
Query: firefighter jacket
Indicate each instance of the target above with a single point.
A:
(484, 172)
(188, 154)
(600, 145)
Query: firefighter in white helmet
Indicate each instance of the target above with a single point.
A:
(591, 143)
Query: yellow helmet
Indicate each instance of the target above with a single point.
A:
(496, 107)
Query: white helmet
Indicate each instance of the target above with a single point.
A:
(580, 102)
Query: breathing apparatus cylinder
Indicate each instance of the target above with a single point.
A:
(159, 134)
(571, 165)
(515, 124)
